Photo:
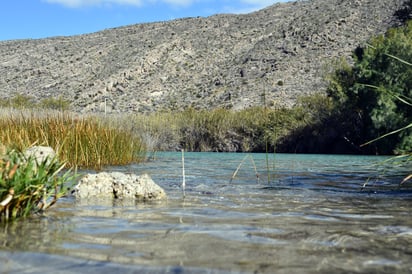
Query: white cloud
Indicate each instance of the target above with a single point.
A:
(82, 3)
(179, 2)
(262, 3)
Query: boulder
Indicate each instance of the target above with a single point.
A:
(40, 153)
(118, 185)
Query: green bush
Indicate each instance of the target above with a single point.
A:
(28, 186)
(376, 93)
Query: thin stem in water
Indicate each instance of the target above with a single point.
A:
(183, 174)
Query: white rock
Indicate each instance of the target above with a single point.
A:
(118, 185)
(40, 153)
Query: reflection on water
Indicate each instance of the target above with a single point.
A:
(312, 217)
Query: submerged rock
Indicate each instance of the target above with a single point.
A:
(119, 185)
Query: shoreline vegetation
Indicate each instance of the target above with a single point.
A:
(96, 140)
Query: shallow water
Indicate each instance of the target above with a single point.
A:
(312, 217)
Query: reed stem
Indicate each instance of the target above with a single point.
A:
(183, 174)
(239, 166)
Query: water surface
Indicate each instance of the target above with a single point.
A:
(313, 216)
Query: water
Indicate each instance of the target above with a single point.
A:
(312, 217)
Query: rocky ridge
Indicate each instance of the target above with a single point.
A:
(230, 61)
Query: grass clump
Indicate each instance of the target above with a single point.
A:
(83, 141)
(28, 186)
(220, 130)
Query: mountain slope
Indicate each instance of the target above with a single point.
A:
(220, 61)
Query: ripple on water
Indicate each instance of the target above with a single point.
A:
(312, 217)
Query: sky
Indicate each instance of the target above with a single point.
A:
(32, 19)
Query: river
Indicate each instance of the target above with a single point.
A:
(309, 215)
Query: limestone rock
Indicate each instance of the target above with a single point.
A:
(40, 153)
(119, 185)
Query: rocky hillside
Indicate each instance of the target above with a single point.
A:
(219, 61)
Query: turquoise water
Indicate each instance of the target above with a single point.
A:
(310, 214)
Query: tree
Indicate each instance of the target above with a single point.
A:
(376, 92)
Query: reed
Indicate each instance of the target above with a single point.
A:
(84, 141)
(240, 165)
(183, 174)
(215, 130)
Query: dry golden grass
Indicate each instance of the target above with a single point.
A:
(83, 141)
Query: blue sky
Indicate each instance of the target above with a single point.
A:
(21, 19)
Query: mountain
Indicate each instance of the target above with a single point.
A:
(232, 61)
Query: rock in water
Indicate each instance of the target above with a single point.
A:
(119, 185)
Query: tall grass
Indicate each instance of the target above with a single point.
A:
(215, 130)
(84, 141)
